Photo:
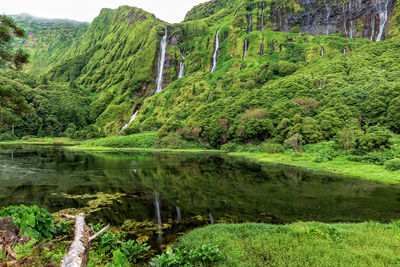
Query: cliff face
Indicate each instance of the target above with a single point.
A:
(353, 18)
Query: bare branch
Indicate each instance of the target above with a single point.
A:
(99, 233)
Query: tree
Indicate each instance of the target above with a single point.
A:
(9, 56)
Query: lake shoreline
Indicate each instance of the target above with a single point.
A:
(339, 165)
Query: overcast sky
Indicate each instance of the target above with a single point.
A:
(86, 10)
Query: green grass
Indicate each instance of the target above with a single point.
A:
(140, 140)
(61, 141)
(339, 165)
(301, 244)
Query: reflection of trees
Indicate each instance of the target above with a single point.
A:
(197, 183)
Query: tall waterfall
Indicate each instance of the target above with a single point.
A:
(130, 121)
(322, 51)
(383, 17)
(161, 61)
(262, 15)
(372, 28)
(249, 23)
(158, 217)
(245, 48)
(328, 14)
(215, 55)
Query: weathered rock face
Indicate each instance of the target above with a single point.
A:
(354, 18)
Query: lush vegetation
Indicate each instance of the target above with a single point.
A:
(300, 244)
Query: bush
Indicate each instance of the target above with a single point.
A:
(142, 140)
(376, 138)
(32, 221)
(272, 147)
(204, 255)
(375, 157)
(393, 165)
(171, 141)
(230, 147)
(7, 137)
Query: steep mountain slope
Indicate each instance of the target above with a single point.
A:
(262, 58)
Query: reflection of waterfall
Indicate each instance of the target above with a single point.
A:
(322, 51)
(249, 23)
(328, 14)
(211, 219)
(245, 48)
(161, 61)
(383, 17)
(130, 121)
(158, 218)
(372, 28)
(262, 15)
(215, 55)
(178, 214)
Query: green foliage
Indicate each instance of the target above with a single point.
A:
(206, 255)
(9, 55)
(32, 221)
(114, 247)
(376, 138)
(393, 165)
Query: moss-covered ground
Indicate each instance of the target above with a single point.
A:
(301, 244)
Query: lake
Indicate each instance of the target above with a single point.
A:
(158, 196)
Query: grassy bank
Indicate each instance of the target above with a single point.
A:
(339, 165)
(43, 141)
(300, 244)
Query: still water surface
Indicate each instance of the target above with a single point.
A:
(162, 195)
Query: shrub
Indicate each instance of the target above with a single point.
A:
(272, 147)
(393, 165)
(229, 147)
(32, 221)
(7, 137)
(204, 255)
(171, 141)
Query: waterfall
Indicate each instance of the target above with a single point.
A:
(245, 48)
(211, 219)
(344, 19)
(130, 121)
(372, 28)
(161, 61)
(262, 48)
(215, 55)
(178, 214)
(322, 51)
(383, 17)
(262, 15)
(328, 14)
(249, 23)
(158, 218)
(351, 21)
(344, 51)
(181, 69)
(272, 45)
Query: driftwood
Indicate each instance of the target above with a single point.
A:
(78, 254)
(10, 236)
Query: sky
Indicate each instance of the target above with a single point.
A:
(171, 11)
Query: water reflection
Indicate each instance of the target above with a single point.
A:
(158, 219)
(166, 194)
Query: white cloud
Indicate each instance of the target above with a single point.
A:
(86, 10)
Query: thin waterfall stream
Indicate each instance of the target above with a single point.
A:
(215, 55)
(383, 17)
(161, 61)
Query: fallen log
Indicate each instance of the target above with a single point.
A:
(78, 254)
